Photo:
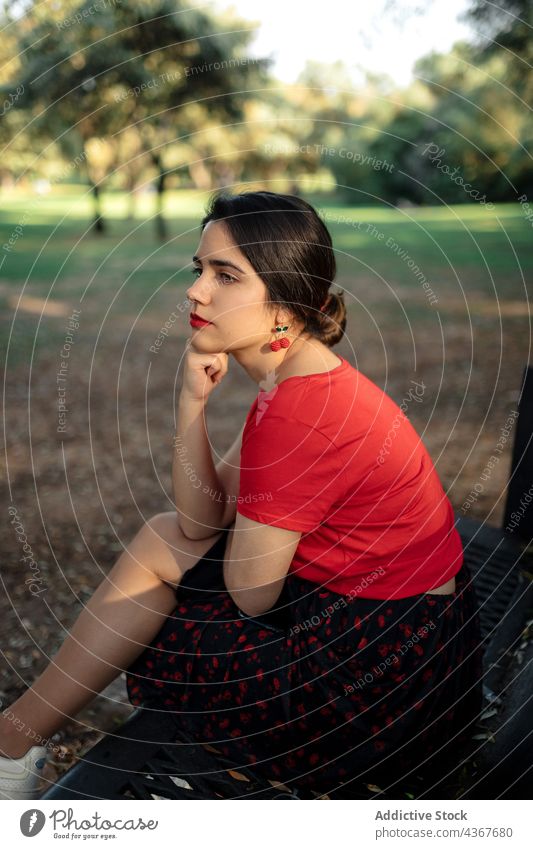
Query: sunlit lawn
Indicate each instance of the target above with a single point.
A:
(463, 251)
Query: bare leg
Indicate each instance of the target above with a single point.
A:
(122, 617)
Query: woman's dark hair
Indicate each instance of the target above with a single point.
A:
(290, 248)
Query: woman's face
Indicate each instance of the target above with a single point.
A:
(228, 293)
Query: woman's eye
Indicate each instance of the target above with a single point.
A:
(226, 278)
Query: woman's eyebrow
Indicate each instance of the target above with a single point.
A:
(220, 262)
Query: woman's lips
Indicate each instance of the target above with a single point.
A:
(198, 322)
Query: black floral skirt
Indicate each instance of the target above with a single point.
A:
(324, 689)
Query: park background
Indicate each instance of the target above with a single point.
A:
(117, 122)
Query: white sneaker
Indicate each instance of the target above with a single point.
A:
(20, 777)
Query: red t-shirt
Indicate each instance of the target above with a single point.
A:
(333, 456)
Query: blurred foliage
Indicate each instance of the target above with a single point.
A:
(506, 30)
(113, 86)
(155, 91)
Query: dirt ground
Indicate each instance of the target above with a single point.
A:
(81, 495)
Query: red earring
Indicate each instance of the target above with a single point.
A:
(276, 344)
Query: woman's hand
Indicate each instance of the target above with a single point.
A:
(202, 372)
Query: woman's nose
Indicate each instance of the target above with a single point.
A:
(199, 291)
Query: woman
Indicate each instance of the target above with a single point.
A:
(306, 609)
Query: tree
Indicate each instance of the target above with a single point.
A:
(506, 30)
(97, 71)
(207, 72)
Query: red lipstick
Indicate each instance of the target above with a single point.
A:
(197, 321)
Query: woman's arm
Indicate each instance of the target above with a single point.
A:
(202, 512)
(205, 497)
(198, 494)
(258, 560)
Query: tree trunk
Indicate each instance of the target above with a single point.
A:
(99, 225)
(160, 223)
(132, 176)
(200, 176)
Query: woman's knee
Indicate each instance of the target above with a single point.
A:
(170, 552)
(166, 527)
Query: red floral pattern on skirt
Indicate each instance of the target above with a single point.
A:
(371, 689)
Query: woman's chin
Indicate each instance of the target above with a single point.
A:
(207, 346)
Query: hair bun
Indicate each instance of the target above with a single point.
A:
(330, 321)
(326, 302)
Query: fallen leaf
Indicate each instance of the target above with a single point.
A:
(489, 713)
(180, 782)
(210, 748)
(238, 775)
(278, 785)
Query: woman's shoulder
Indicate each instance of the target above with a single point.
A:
(339, 400)
(300, 403)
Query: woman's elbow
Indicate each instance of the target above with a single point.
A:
(195, 531)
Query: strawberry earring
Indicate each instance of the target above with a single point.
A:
(276, 344)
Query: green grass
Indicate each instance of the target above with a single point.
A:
(58, 255)
(466, 243)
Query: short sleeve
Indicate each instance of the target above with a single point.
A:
(290, 475)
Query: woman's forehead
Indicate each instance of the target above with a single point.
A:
(216, 243)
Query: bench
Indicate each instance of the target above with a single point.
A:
(149, 756)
